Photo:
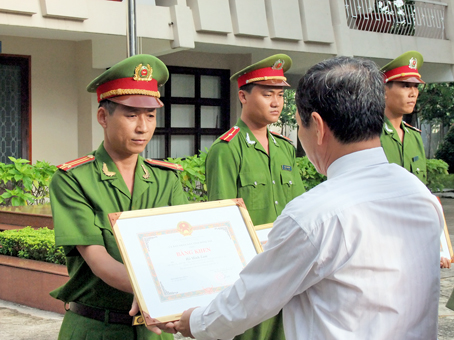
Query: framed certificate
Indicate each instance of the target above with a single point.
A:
(262, 231)
(445, 244)
(182, 256)
(445, 241)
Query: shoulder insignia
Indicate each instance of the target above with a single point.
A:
(77, 162)
(164, 165)
(412, 127)
(229, 135)
(282, 136)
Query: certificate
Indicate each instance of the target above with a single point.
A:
(445, 241)
(262, 232)
(182, 256)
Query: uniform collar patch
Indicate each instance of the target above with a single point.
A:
(388, 129)
(106, 171)
(248, 139)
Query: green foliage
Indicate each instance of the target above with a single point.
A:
(287, 118)
(22, 183)
(193, 176)
(436, 103)
(437, 172)
(446, 150)
(34, 244)
(309, 174)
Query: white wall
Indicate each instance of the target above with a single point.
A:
(53, 96)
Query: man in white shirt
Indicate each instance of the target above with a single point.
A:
(357, 256)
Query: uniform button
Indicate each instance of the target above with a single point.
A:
(274, 182)
(255, 183)
(276, 202)
(290, 182)
(417, 169)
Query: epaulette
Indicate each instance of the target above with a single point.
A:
(77, 162)
(412, 127)
(229, 135)
(164, 165)
(282, 136)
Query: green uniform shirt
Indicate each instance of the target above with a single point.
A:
(81, 198)
(266, 183)
(410, 155)
(242, 168)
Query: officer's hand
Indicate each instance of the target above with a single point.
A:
(183, 325)
(155, 328)
(445, 263)
(134, 307)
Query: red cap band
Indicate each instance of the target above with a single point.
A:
(127, 86)
(401, 72)
(261, 74)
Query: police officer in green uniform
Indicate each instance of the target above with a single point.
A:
(251, 162)
(114, 178)
(402, 142)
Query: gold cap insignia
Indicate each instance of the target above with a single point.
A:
(413, 63)
(143, 73)
(278, 65)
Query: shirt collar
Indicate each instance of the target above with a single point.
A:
(355, 160)
(250, 138)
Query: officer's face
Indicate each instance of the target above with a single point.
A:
(264, 104)
(400, 98)
(127, 130)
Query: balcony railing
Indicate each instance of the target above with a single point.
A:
(419, 18)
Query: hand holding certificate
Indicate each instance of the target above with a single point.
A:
(183, 256)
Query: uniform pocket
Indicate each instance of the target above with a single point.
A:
(287, 184)
(418, 168)
(253, 190)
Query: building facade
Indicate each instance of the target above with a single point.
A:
(51, 49)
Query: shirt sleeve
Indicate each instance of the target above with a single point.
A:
(222, 169)
(73, 216)
(280, 272)
(178, 194)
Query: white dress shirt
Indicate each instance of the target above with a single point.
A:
(357, 257)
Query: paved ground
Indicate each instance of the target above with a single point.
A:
(24, 323)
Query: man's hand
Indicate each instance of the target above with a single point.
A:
(157, 328)
(445, 263)
(183, 326)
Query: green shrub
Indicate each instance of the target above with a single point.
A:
(437, 174)
(446, 150)
(23, 184)
(308, 173)
(34, 244)
(193, 176)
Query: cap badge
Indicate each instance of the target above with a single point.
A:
(413, 63)
(278, 65)
(143, 73)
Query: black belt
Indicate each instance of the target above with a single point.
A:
(104, 315)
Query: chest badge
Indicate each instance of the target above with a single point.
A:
(287, 168)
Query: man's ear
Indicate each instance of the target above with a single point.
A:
(319, 126)
(242, 96)
(102, 116)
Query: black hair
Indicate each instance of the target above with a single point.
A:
(348, 94)
(110, 106)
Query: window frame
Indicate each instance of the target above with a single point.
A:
(223, 103)
(24, 62)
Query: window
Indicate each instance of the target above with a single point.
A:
(196, 111)
(15, 137)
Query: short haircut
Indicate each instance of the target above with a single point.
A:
(108, 105)
(248, 87)
(348, 94)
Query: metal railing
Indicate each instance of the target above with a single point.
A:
(420, 18)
